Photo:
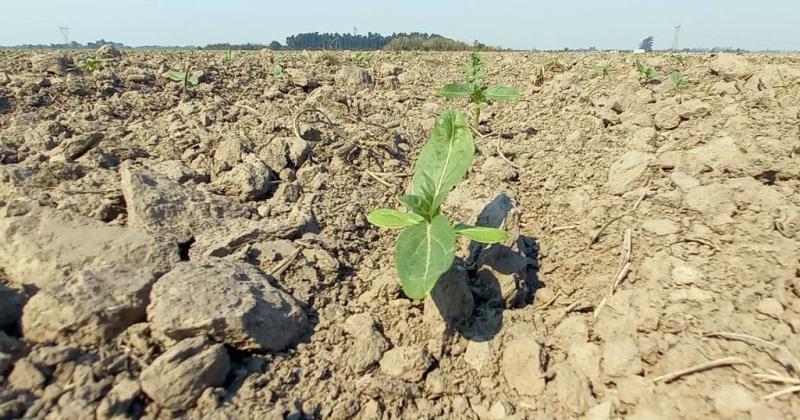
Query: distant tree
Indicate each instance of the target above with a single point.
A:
(646, 44)
(275, 45)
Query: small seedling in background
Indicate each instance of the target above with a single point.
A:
(426, 246)
(678, 80)
(680, 59)
(93, 64)
(187, 77)
(603, 69)
(362, 59)
(229, 58)
(277, 70)
(475, 90)
(647, 72)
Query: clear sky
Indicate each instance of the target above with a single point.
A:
(551, 24)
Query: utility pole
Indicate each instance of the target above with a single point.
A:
(676, 38)
(64, 33)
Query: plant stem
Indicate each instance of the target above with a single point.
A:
(477, 116)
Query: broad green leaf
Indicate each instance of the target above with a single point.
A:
(484, 235)
(176, 75)
(425, 251)
(415, 203)
(456, 90)
(501, 93)
(444, 160)
(194, 80)
(393, 219)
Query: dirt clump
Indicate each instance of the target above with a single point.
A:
(174, 251)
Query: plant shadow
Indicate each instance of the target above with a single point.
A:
(499, 277)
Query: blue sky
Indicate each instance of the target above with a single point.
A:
(550, 24)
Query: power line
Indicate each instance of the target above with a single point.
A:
(676, 38)
(64, 33)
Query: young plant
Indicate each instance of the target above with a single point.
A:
(93, 64)
(603, 69)
(277, 70)
(229, 58)
(680, 59)
(474, 89)
(647, 72)
(678, 80)
(426, 245)
(362, 59)
(187, 77)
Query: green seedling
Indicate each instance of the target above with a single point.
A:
(680, 59)
(603, 69)
(362, 59)
(229, 58)
(93, 64)
(187, 77)
(475, 90)
(277, 70)
(678, 80)
(426, 244)
(647, 72)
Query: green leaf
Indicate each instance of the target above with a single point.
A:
(501, 93)
(484, 235)
(444, 160)
(194, 80)
(415, 203)
(425, 251)
(393, 219)
(175, 75)
(456, 90)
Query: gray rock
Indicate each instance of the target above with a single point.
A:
(406, 362)
(731, 66)
(11, 302)
(39, 248)
(276, 154)
(621, 357)
(368, 345)
(389, 69)
(88, 308)
(572, 389)
(667, 118)
(498, 169)
(248, 180)
(52, 356)
(161, 206)
(231, 235)
(353, 76)
(520, 365)
(177, 171)
(177, 377)
(230, 302)
(661, 227)
(228, 153)
(118, 401)
(51, 63)
(298, 151)
(626, 172)
(26, 376)
(108, 51)
(75, 147)
(301, 78)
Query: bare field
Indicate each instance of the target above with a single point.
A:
(179, 251)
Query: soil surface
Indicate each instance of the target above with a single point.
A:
(179, 251)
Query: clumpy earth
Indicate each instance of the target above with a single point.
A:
(172, 251)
